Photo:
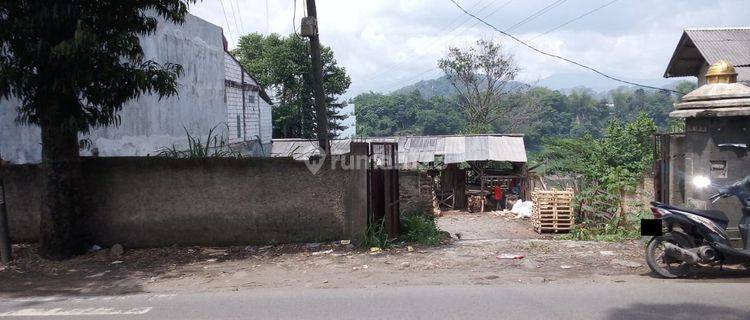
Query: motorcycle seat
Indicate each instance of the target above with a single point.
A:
(716, 215)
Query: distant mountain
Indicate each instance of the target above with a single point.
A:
(565, 82)
(440, 87)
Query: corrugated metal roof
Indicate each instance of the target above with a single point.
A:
(707, 45)
(302, 149)
(732, 45)
(457, 149)
(421, 149)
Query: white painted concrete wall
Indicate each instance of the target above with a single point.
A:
(255, 122)
(148, 123)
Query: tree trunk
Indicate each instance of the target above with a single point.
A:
(61, 235)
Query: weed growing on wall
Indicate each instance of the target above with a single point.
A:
(214, 146)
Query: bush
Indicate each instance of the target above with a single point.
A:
(421, 229)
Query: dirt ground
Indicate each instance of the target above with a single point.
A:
(333, 265)
(483, 226)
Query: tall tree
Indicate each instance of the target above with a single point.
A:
(479, 75)
(282, 64)
(72, 65)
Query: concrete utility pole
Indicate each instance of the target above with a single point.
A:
(321, 116)
(5, 249)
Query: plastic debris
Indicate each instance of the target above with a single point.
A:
(522, 209)
(375, 250)
(95, 248)
(410, 248)
(565, 266)
(509, 256)
(117, 262)
(345, 242)
(322, 252)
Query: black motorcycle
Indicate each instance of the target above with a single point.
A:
(684, 238)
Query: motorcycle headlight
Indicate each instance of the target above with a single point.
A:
(701, 182)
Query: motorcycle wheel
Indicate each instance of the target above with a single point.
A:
(660, 263)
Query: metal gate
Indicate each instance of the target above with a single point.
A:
(383, 204)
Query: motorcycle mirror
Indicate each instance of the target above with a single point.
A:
(701, 182)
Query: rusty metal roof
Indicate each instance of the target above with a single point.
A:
(421, 149)
(703, 46)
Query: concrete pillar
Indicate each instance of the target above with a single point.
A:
(357, 193)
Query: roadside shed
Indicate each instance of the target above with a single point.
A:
(463, 164)
(469, 165)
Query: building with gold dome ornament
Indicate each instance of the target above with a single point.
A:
(699, 48)
(714, 143)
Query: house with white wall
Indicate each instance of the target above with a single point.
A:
(213, 92)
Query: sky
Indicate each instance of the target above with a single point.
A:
(387, 44)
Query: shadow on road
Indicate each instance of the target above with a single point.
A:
(100, 273)
(713, 274)
(649, 311)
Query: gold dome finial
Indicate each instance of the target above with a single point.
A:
(721, 72)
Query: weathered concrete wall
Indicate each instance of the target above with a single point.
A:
(154, 202)
(149, 123)
(677, 170)
(702, 152)
(415, 192)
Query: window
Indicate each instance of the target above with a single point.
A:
(251, 98)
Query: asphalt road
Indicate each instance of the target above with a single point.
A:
(670, 300)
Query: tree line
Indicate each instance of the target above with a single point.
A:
(553, 113)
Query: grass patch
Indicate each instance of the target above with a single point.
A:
(376, 235)
(421, 229)
(627, 228)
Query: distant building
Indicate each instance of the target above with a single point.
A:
(213, 91)
(699, 48)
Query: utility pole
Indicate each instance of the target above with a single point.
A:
(5, 250)
(310, 30)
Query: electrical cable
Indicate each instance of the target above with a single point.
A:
(229, 30)
(558, 56)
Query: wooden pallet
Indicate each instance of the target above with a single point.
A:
(553, 210)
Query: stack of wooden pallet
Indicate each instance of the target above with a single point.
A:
(553, 210)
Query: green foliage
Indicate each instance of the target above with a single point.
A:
(406, 114)
(544, 116)
(74, 64)
(608, 167)
(376, 235)
(282, 65)
(421, 229)
(215, 146)
(613, 230)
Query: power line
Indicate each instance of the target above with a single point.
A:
(557, 56)
(229, 30)
(234, 19)
(535, 15)
(521, 22)
(239, 12)
(570, 21)
(434, 42)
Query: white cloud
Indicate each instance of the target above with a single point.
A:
(387, 44)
